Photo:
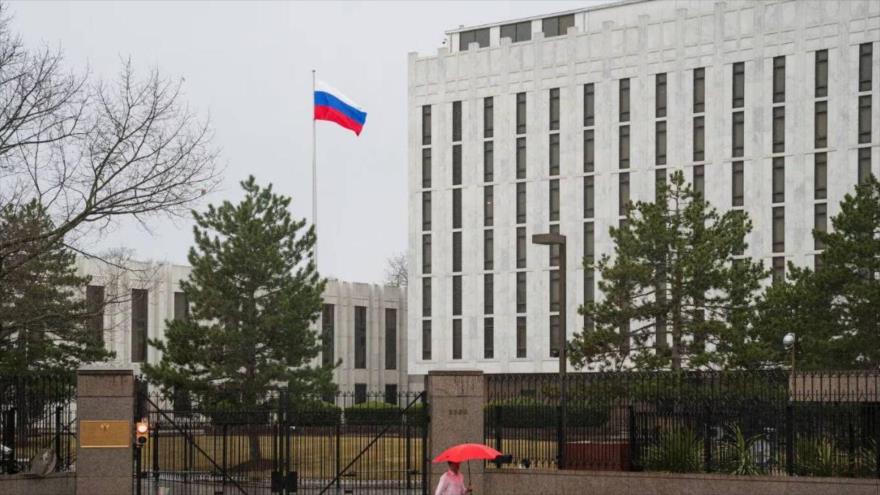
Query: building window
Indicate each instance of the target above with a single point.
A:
(456, 164)
(426, 253)
(391, 393)
(521, 158)
(589, 151)
(737, 184)
(554, 290)
(520, 247)
(821, 73)
(820, 176)
(589, 197)
(659, 183)
(778, 268)
(778, 179)
(521, 31)
(328, 327)
(778, 229)
(589, 242)
(390, 339)
(426, 168)
(488, 207)
(181, 306)
(864, 165)
(360, 337)
(660, 142)
(779, 129)
(623, 95)
(488, 249)
(700, 180)
(521, 337)
(139, 324)
(478, 36)
(554, 200)
(699, 90)
(426, 210)
(456, 121)
(623, 197)
(554, 154)
(426, 296)
(520, 292)
(520, 113)
(820, 224)
(623, 147)
(488, 117)
(456, 339)
(554, 109)
(557, 26)
(456, 251)
(589, 296)
(360, 393)
(738, 134)
(778, 79)
(426, 339)
(520, 202)
(589, 105)
(865, 56)
(488, 159)
(456, 295)
(488, 338)
(456, 208)
(95, 309)
(865, 119)
(554, 336)
(739, 84)
(821, 124)
(426, 125)
(660, 95)
(699, 139)
(488, 293)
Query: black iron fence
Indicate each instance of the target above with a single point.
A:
(817, 424)
(37, 423)
(347, 443)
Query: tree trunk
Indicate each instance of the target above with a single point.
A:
(254, 444)
(676, 322)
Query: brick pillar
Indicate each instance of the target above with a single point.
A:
(456, 400)
(104, 409)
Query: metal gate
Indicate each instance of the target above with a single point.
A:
(347, 443)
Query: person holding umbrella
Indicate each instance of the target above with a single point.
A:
(452, 481)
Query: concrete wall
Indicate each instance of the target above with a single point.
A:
(635, 40)
(53, 484)
(534, 481)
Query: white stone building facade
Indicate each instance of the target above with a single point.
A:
(365, 324)
(551, 123)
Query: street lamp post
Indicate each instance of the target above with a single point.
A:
(559, 240)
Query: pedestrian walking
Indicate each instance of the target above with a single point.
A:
(452, 482)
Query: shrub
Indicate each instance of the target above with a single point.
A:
(314, 413)
(526, 412)
(373, 413)
(676, 451)
(741, 453)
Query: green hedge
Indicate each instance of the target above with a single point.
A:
(526, 412)
(314, 413)
(383, 413)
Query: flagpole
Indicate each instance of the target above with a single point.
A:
(314, 174)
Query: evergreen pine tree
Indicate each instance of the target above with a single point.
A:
(674, 285)
(255, 292)
(43, 313)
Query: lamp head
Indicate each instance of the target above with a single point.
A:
(789, 340)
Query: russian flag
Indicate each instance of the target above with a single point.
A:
(332, 105)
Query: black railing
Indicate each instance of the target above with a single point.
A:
(734, 422)
(37, 416)
(195, 448)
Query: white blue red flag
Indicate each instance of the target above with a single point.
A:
(333, 106)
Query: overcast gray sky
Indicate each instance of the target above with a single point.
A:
(248, 66)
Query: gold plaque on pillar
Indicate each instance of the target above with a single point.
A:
(104, 434)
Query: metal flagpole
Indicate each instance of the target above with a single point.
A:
(314, 174)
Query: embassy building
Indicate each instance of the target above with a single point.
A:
(554, 123)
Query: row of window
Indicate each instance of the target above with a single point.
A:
(519, 31)
(328, 334)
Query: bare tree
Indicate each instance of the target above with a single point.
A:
(91, 152)
(395, 270)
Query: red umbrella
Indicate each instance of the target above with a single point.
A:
(467, 452)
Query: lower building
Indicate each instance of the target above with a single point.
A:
(363, 326)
